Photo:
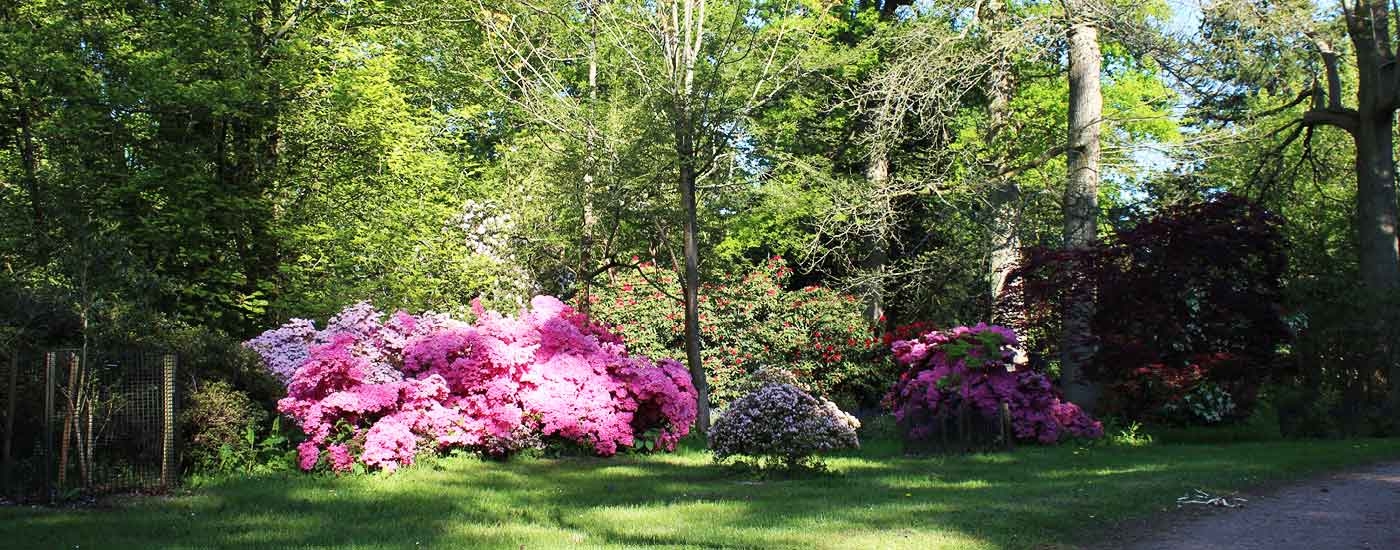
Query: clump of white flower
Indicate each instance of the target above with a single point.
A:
(487, 231)
(783, 423)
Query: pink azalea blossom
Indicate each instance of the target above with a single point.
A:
(400, 386)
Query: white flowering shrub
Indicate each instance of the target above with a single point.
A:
(1209, 403)
(780, 422)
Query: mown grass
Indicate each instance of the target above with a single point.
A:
(1030, 498)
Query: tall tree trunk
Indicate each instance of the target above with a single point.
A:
(1376, 223)
(1376, 209)
(1081, 205)
(685, 147)
(1006, 239)
(1375, 202)
(585, 255)
(876, 251)
(29, 159)
(1378, 96)
(877, 174)
(1006, 196)
(687, 41)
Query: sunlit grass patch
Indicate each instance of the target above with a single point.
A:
(1030, 498)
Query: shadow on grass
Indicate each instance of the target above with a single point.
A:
(1033, 497)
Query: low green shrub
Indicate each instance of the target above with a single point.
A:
(224, 434)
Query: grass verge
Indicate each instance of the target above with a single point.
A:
(876, 498)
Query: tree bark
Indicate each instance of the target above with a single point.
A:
(877, 174)
(1378, 96)
(876, 257)
(1006, 195)
(585, 255)
(70, 419)
(29, 159)
(685, 147)
(1376, 209)
(1081, 206)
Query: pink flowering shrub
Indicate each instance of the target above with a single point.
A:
(973, 369)
(783, 423)
(378, 391)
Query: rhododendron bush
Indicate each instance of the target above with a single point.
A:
(973, 370)
(780, 421)
(750, 321)
(377, 391)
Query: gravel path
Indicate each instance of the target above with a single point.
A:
(1353, 510)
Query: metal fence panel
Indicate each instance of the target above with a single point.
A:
(89, 423)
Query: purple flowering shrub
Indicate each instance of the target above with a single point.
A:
(975, 369)
(782, 422)
(378, 391)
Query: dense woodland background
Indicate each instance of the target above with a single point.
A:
(185, 174)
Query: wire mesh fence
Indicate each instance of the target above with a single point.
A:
(88, 422)
(963, 431)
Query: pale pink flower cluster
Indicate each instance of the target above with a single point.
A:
(380, 392)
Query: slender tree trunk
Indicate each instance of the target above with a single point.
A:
(70, 420)
(876, 259)
(877, 174)
(692, 280)
(1081, 206)
(29, 159)
(686, 41)
(585, 255)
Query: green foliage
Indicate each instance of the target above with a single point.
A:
(751, 321)
(1131, 435)
(220, 424)
(1338, 379)
(206, 172)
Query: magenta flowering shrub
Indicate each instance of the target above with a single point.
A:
(974, 369)
(379, 391)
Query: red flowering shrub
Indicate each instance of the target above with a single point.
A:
(381, 392)
(747, 322)
(1188, 297)
(909, 331)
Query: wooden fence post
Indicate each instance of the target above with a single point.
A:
(7, 462)
(70, 419)
(168, 474)
(1008, 433)
(50, 364)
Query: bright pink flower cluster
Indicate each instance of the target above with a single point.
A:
(386, 390)
(974, 369)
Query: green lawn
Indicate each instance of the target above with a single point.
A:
(1032, 498)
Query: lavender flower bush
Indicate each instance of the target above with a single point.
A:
(783, 423)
